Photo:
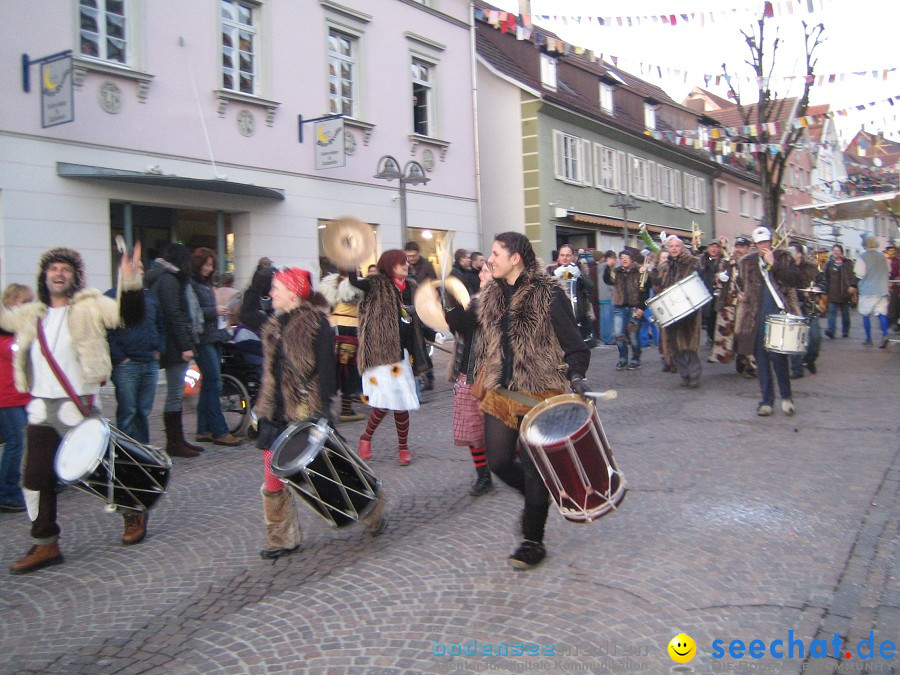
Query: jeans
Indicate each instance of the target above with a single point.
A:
(175, 387)
(845, 317)
(622, 317)
(813, 346)
(606, 322)
(210, 419)
(135, 390)
(12, 426)
(782, 372)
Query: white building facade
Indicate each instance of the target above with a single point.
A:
(187, 127)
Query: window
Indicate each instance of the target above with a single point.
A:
(341, 73)
(103, 30)
(641, 177)
(743, 203)
(568, 159)
(606, 97)
(239, 46)
(694, 193)
(422, 97)
(649, 116)
(548, 71)
(667, 190)
(757, 206)
(605, 161)
(722, 196)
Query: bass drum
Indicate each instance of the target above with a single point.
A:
(316, 464)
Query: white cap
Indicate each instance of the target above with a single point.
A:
(761, 234)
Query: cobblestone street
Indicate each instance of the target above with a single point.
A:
(734, 527)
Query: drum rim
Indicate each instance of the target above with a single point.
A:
(95, 462)
(546, 404)
(302, 460)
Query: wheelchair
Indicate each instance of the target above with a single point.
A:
(241, 375)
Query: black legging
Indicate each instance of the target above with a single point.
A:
(519, 474)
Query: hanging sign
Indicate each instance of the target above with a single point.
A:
(57, 92)
(330, 143)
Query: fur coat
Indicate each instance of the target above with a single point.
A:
(343, 298)
(91, 315)
(380, 330)
(683, 335)
(295, 369)
(538, 361)
(785, 275)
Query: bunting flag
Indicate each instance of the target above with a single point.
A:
(523, 27)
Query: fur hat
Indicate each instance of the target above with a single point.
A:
(63, 255)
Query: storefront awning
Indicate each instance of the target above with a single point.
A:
(66, 170)
(616, 223)
(853, 208)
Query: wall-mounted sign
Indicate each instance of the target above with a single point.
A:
(329, 143)
(57, 92)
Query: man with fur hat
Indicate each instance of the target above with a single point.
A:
(630, 291)
(63, 358)
(872, 270)
(681, 340)
(765, 281)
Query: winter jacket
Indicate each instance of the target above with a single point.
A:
(162, 279)
(143, 342)
(206, 296)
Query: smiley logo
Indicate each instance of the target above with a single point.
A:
(682, 648)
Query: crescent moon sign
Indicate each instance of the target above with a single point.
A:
(49, 85)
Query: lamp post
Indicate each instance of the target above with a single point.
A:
(626, 203)
(412, 174)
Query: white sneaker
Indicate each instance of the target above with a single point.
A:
(764, 410)
(787, 407)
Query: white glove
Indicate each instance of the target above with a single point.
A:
(723, 277)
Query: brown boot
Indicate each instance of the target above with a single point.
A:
(227, 439)
(283, 534)
(38, 557)
(376, 521)
(176, 446)
(135, 528)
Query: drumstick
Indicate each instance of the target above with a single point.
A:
(607, 395)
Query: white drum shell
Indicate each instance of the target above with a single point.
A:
(679, 300)
(786, 333)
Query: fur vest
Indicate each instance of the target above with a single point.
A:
(91, 315)
(785, 276)
(380, 341)
(293, 369)
(538, 361)
(683, 335)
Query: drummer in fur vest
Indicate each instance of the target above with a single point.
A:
(680, 341)
(293, 388)
(766, 280)
(530, 349)
(62, 360)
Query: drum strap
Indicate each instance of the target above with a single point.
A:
(85, 410)
(765, 275)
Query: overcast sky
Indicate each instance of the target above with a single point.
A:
(860, 35)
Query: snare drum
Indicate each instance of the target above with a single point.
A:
(327, 476)
(679, 300)
(568, 445)
(97, 458)
(786, 333)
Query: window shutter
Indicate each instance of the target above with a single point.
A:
(587, 177)
(558, 168)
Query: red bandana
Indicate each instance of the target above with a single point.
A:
(297, 281)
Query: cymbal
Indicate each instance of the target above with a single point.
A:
(428, 301)
(348, 242)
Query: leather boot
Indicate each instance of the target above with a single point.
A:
(135, 528)
(283, 533)
(176, 445)
(38, 557)
(483, 484)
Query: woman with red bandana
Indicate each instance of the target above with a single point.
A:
(293, 388)
(389, 334)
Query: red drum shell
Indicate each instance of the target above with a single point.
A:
(577, 466)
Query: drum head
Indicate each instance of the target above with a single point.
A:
(291, 451)
(557, 422)
(82, 449)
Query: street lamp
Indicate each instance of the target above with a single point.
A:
(413, 174)
(626, 203)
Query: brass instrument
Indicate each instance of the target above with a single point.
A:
(781, 235)
(348, 242)
(429, 304)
